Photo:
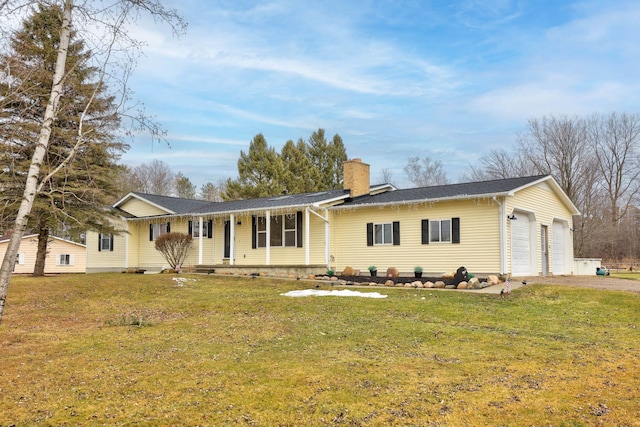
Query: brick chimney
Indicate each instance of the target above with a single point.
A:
(356, 177)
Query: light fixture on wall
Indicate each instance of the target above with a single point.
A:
(512, 217)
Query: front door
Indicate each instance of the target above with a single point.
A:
(544, 250)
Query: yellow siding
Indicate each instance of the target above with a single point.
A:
(479, 253)
(140, 208)
(541, 200)
(115, 260)
(56, 247)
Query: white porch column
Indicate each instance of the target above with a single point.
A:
(267, 260)
(126, 246)
(200, 241)
(307, 256)
(232, 239)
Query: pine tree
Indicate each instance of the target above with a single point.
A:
(260, 172)
(73, 190)
(299, 174)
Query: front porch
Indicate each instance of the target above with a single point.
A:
(269, 270)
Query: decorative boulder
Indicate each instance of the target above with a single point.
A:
(448, 276)
(474, 283)
(348, 271)
(439, 284)
(428, 284)
(463, 285)
(449, 286)
(389, 283)
(492, 280)
(392, 272)
(417, 284)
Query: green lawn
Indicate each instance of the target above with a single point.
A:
(119, 349)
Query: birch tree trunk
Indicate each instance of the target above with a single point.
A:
(39, 153)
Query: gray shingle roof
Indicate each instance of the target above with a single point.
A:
(181, 206)
(178, 205)
(449, 191)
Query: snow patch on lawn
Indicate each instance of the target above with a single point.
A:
(343, 293)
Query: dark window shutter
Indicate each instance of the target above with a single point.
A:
(111, 243)
(99, 242)
(254, 229)
(151, 232)
(209, 229)
(299, 228)
(190, 228)
(455, 230)
(168, 227)
(396, 233)
(425, 231)
(370, 234)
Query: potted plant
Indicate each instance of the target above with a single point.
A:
(330, 273)
(417, 271)
(373, 270)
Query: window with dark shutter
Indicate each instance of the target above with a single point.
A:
(396, 233)
(425, 231)
(455, 230)
(370, 234)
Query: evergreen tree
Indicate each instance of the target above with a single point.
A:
(184, 187)
(73, 189)
(299, 174)
(260, 172)
(327, 158)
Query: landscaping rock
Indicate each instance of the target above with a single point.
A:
(492, 280)
(392, 272)
(439, 284)
(390, 283)
(474, 283)
(449, 286)
(428, 284)
(448, 276)
(348, 271)
(417, 284)
(463, 285)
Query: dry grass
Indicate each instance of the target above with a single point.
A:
(119, 349)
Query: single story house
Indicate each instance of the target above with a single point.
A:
(63, 256)
(519, 226)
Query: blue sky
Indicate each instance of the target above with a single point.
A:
(450, 80)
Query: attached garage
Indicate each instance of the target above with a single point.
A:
(521, 246)
(558, 245)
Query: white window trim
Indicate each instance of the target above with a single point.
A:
(61, 259)
(375, 237)
(440, 221)
(280, 220)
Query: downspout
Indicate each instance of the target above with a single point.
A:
(502, 215)
(327, 240)
(327, 235)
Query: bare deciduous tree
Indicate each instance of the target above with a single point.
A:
(155, 177)
(424, 171)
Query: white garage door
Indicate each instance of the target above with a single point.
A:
(520, 246)
(558, 248)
